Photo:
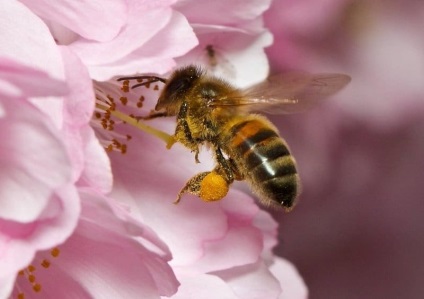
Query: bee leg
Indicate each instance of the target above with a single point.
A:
(153, 114)
(183, 133)
(196, 155)
(192, 186)
(209, 186)
(225, 166)
(238, 176)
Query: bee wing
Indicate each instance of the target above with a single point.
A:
(286, 93)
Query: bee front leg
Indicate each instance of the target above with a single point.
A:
(153, 114)
(183, 132)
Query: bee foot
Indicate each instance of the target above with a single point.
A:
(192, 186)
(196, 157)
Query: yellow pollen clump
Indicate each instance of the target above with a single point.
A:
(213, 187)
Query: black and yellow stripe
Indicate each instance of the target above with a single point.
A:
(266, 159)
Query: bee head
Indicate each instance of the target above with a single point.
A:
(177, 87)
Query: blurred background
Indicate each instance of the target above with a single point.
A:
(358, 229)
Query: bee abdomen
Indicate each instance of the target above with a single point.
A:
(267, 161)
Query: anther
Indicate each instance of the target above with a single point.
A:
(45, 263)
(55, 252)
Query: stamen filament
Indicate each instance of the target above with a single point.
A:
(169, 139)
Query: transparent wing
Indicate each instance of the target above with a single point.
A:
(285, 93)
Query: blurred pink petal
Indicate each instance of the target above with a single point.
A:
(91, 263)
(225, 253)
(205, 286)
(156, 55)
(91, 165)
(84, 17)
(29, 151)
(222, 12)
(293, 285)
(232, 47)
(252, 281)
(231, 44)
(17, 80)
(149, 30)
(37, 171)
(27, 39)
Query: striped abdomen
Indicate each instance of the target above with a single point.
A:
(264, 160)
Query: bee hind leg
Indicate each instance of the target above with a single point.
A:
(209, 186)
(192, 186)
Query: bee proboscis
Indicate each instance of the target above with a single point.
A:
(246, 145)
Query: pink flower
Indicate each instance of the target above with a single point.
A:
(39, 210)
(109, 254)
(224, 246)
(231, 37)
(107, 250)
(51, 155)
(143, 36)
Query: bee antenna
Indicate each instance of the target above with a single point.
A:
(150, 79)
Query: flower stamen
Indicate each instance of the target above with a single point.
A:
(107, 115)
(29, 273)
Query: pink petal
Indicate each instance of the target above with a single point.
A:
(156, 55)
(21, 27)
(79, 103)
(84, 17)
(233, 47)
(90, 162)
(143, 22)
(205, 286)
(138, 186)
(96, 169)
(222, 12)
(17, 80)
(268, 226)
(136, 273)
(6, 286)
(252, 281)
(30, 150)
(242, 243)
(20, 241)
(292, 284)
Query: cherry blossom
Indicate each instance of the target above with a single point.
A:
(62, 233)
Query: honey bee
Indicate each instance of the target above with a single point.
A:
(247, 146)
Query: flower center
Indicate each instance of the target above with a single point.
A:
(118, 105)
(29, 274)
